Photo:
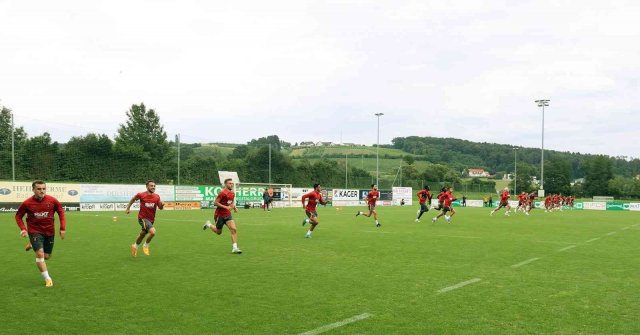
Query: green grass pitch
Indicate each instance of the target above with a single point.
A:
(286, 284)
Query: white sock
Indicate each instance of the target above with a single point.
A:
(234, 245)
(208, 224)
(307, 220)
(308, 232)
(45, 275)
(136, 245)
(376, 221)
(146, 244)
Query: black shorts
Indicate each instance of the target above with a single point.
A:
(40, 241)
(446, 209)
(372, 207)
(221, 221)
(311, 215)
(424, 208)
(503, 204)
(145, 225)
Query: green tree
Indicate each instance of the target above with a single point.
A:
(557, 176)
(142, 133)
(38, 158)
(598, 174)
(20, 137)
(408, 159)
(523, 178)
(88, 158)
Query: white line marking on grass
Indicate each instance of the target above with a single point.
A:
(338, 324)
(625, 228)
(525, 262)
(456, 236)
(593, 239)
(567, 248)
(611, 233)
(459, 285)
(379, 232)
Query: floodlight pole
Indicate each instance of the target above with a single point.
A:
(542, 103)
(269, 163)
(178, 144)
(346, 171)
(515, 173)
(378, 151)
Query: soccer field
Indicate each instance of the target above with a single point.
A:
(558, 273)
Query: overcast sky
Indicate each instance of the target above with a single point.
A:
(230, 71)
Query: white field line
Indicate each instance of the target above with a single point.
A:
(338, 324)
(458, 236)
(611, 233)
(567, 248)
(459, 285)
(379, 232)
(635, 225)
(625, 228)
(593, 239)
(525, 262)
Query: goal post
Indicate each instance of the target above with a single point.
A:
(251, 193)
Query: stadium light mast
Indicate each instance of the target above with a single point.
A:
(542, 103)
(178, 144)
(515, 173)
(378, 151)
(346, 171)
(269, 163)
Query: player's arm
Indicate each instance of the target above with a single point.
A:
(322, 201)
(304, 200)
(128, 210)
(160, 204)
(63, 220)
(217, 203)
(19, 215)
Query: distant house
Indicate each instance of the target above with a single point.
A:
(478, 173)
(350, 144)
(324, 144)
(307, 144)
(578, 181)
(638, 177)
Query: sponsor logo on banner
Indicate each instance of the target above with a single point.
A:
(181, 206)
(345, 195)
(615, 206)
(346, 203)
(120, 193)
(102, 207)
(9, 207)
(475, 203)
(19, 191)
(399, 193)
(634, 206)
(123, 206)
(598, 206)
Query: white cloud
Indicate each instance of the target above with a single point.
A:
(314, 69)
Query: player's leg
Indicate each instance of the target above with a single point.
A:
(495, 210)
(375, 215)
(38, 242)
(313, 219)
(141, 235)
(151, 233)
(234, 236)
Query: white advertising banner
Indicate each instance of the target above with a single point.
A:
(475, 203)
(399, 193)
(345, 195)
(598, 206)
(107, 207)
(120, 193)
(634, 206)
(296, 193)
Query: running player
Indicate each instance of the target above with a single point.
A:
(225, 202)
(372, 198)
(441, 199)
(314, 197)
(532, 204)
(504, 202)
(40, 226)
(149, 202)
(447, 201)
(424, 196)
(522, 202)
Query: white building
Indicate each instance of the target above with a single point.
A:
(478, 173)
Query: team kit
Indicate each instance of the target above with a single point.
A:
(41, 208)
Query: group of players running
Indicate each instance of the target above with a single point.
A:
(40, 209)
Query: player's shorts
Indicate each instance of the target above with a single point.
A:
(145, 224)
(440, 205)
(40, 241)
(311, 214)
(221, 221)
(446, 209)
(503, 204)
(424, 207)
(372, 207)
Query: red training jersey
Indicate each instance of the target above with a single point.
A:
(40, 218)
(448, 199)
(227, 198)
(372, 197)
(314, 197)
(504, 197)
(149, 202)
(424, 195)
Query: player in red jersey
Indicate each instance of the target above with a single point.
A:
(547, 203)
(372, 198)
(424, 197)
(522, 202)
(447, 201)
(314, 197)
(225, 202)
(504, 202)
(149, 202)
(531, 205)
(40, 226)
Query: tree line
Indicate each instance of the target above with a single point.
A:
(142, 150)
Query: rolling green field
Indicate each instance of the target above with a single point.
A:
(574, 272)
